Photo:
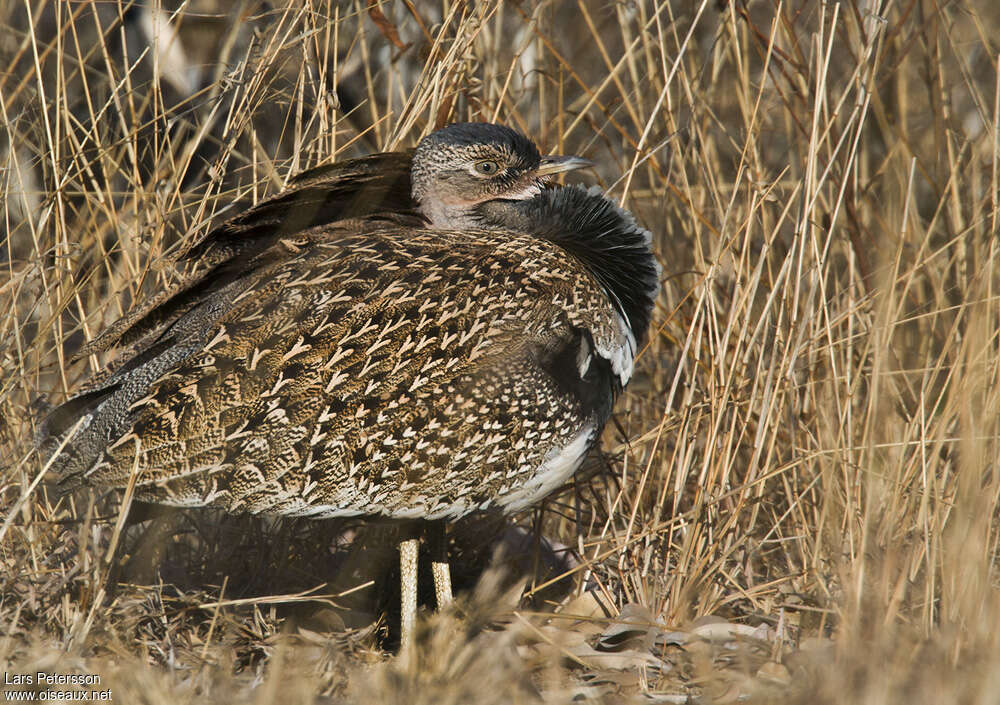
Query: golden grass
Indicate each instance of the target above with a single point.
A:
(808, 450)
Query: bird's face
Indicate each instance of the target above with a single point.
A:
(466, 164)
(483, 172)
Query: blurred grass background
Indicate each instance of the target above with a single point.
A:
(798, 496)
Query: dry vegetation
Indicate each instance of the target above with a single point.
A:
(798, 498)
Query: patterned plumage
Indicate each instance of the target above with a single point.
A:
(364, 344)
(465, 165)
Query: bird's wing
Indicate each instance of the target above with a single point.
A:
(355, 188)
(328, 365)
(374, 186)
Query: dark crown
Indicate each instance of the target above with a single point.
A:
(468, 134)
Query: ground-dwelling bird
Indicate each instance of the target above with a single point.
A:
(412, 335)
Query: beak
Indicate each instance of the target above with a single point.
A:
(554, 164)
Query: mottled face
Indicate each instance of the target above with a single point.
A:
(463, 165)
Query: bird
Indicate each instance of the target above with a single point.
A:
(414, 336)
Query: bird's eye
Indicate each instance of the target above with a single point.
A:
(487, 167)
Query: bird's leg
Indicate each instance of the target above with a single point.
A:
(439, 563)
(408, 548)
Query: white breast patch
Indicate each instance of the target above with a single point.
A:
(620, 351)
(558, 466)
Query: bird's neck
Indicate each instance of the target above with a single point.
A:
(503, 215)
(452, 216)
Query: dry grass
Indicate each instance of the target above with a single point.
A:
(807, 453)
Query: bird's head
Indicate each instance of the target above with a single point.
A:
(466, 164)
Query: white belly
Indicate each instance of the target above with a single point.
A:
(558, 466)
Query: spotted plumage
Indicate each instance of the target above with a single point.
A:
(369, 344)
(396, 372)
